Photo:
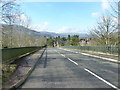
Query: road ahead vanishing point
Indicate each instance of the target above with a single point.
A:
(65, 69)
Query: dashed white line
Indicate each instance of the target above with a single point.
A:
(108, 83)
(62, 55)
(56, 51)
(101, 79)
(72, 61)
(68, 58)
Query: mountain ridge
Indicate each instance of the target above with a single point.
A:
(44, 33)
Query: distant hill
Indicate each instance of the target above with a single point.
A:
(42, 34)
(52, 34)
(45, 34)
(81, 35)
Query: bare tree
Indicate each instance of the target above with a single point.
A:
(15, 32)
(9, 12)
(115, 13)
(114, 4)
(105, 30)
(27, 22)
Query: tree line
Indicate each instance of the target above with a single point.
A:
(104, 33)
(64, 41)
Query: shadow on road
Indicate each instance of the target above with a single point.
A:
(45, 62)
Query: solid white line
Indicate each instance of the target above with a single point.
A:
(109, 59)
(108, 83)
(72, 61)
(101, 57)
(101, 79)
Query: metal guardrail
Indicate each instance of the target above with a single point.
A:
(10, 54)
(104, 49)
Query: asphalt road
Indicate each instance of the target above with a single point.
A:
(64, 69)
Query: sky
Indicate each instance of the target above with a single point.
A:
(64, 17)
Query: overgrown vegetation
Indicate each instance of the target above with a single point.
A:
(7, 71)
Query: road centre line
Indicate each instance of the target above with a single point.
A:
(87, 70)
(68, 58)
(108, 83)
(72, 61)
(62, 55)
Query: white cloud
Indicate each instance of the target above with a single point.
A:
(64, 29)
(45, 23)
(105, 4)
(40, 27)
(95, 14)
(67, 29)
(23, 17)
(115, 20)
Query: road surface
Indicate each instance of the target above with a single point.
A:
(64, 69)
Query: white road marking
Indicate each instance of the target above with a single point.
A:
(62, 55)
(113, 86)
(109, 59)
(101, 57)
(108, 83)
(56, 51)
(68, 58)
(72, 61)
